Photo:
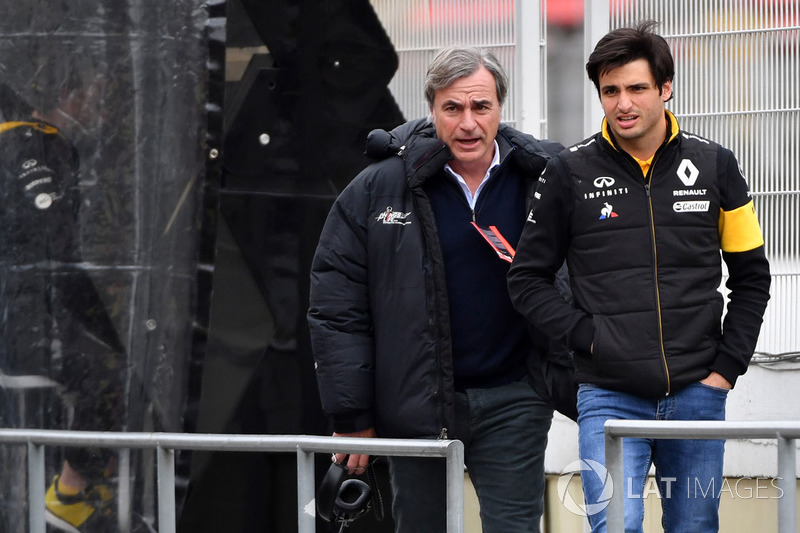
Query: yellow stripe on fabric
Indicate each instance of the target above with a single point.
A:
(739, 230)
(5, 126)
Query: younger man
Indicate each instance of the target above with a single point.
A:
(640, 211)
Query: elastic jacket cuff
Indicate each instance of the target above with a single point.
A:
(727, 368)
(353, 423)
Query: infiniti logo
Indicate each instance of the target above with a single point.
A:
(603, 181)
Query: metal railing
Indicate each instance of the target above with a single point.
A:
(305, 447)
(784, 432)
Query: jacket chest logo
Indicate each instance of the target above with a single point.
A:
(608, 212)
(688, 173)
(390, 216)
(605, 186)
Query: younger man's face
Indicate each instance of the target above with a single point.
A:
(634, 106)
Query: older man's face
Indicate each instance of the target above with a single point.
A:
(466, 116)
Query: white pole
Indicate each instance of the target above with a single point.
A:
(597, 21)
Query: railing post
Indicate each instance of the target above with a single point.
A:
(787, 484)
(124, 509)
(615, 512)
(455, 487)
(36, 488)
(306, 510)
(166, 489)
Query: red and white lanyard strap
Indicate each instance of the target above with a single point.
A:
(496, 240)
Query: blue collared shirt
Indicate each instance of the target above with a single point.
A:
(473, 199)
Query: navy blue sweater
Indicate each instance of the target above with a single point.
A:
(489, 338)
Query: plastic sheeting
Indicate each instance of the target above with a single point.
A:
(102, 169)
(312, 83)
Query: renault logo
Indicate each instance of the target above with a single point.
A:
(603, 181)
(688, 173)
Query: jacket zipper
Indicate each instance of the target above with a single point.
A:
(655, 273)
(432, 322)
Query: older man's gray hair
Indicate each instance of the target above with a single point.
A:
(456, 62)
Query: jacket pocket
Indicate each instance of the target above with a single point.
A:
(623, 342)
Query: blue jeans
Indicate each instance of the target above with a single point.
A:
(504, 431)
(688, 472)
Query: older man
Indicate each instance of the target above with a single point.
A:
(413, 331)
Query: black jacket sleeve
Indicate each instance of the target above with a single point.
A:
(540, 254)
(339, 317)
(748, 271)
(748, 283)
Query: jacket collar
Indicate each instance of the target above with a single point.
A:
(425, 154)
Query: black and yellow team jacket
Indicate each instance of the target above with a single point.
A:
(53, 320)
(643, 251)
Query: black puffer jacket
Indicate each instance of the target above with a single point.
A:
(378, 307)
(644, 263)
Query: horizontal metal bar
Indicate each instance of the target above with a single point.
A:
(775, 193)
(242, 443)
(725, 33)
(302, 445)
(703, 429)
(436, 48)
(742, 112)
